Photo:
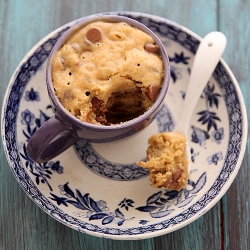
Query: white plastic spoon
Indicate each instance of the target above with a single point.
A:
(206, 59)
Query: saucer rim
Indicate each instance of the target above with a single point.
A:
(202, 211)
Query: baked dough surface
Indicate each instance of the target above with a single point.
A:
(167, 161)
(114, 69)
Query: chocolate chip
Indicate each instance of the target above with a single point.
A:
(177, 174)
(96, 103)
(101, 119)
(77, 112)
(152, 92)
(150, 47)
(94, 35)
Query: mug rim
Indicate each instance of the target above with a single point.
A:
(62, 111)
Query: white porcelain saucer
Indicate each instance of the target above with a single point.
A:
(97, 188)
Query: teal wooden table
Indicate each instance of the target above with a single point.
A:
(23, 23)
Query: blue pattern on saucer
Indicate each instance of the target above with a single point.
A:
(116, 171)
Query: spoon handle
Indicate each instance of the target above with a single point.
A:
(206, 59)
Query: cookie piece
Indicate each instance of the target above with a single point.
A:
(167, 161)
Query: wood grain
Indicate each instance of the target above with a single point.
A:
(25, 226)
(234, 22)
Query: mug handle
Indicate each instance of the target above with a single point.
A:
(50, 140)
